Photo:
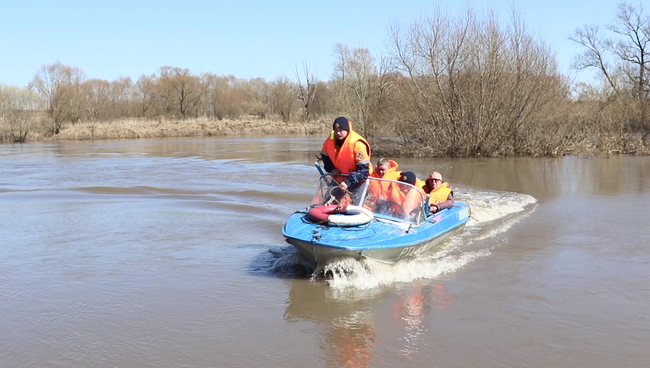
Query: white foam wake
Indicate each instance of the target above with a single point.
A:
(492, 213)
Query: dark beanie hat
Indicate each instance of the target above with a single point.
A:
(408, 177)
(341, 123)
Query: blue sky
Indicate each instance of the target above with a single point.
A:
(244, 38)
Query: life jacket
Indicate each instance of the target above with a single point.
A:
(412, 200)
(391, 173)
(409, 201)
(344, 158)
(379, 188)
(439, 194)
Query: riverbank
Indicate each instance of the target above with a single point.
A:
(141, 128)
(35, 130)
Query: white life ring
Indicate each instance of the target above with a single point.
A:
(353, 216)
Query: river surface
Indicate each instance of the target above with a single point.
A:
(169, 253)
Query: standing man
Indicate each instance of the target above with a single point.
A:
(346, 152)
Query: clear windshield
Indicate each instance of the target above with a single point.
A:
(328, 193)
(385, 198)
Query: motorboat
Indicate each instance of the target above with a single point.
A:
(368, 223)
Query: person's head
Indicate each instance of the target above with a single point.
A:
(407, 177)
(434, 180)
(341, 128)
(382, 166)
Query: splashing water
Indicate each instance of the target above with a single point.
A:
(492, 213)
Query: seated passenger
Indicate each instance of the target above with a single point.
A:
(440, 195)
(412, 196)
(406, 200)
(385, 169)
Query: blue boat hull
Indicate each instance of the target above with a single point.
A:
(382, 239)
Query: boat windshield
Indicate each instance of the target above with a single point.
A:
(387, 199)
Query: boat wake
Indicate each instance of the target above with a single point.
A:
(492, 214)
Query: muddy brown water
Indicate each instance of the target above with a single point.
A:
(169, 253)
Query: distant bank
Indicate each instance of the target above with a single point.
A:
(140, 128)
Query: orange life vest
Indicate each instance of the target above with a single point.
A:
(439, 194)
(391, 173)
(409, 201)
(378, 188)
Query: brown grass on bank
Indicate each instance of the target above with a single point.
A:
(570, 139)
(142, 128)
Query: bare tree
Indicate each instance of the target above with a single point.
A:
(623, 60)
(180, 91)
(17, 108)
(225, 96)
(283, 98)
(96, 99)
(307, 90)
(472, 86)
(259, 97)
(146, 96)
(356, 79)
(595, 54)
(634, 46)
(121, 93)
(58, 87)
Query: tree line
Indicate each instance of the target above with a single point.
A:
(468, 85)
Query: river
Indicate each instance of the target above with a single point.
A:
(169, 253)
